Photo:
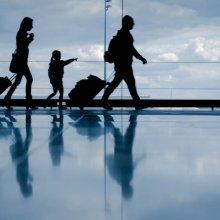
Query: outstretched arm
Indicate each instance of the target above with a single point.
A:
(66, 62)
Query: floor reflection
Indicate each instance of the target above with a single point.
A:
(56, 142)
(121, 164)
(101, 167)
(88, 125)
(19, 154)
(5, 131)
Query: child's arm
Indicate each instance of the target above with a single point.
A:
(66, 62)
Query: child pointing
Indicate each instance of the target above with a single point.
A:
(55, 73)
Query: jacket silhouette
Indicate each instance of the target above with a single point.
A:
(23, 40)
(55, 73)
(123, 59)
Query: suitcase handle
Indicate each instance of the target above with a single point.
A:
(110, 76)
(13, 77)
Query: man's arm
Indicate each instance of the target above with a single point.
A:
(138, 56)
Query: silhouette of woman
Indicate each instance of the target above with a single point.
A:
(23, 39)
(55, 72)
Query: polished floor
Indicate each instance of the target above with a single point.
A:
(97, 165)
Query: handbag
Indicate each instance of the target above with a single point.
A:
(14, 64)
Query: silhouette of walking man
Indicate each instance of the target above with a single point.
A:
(55, 72)
(23, 39)
(123, 63)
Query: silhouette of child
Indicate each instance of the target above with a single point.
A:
(55, 73)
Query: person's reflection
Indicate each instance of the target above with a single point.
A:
(56, 143)
(88, 125)
(121, 165)
(19, 154)
(5, 131)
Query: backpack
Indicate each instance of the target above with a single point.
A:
(111, 53)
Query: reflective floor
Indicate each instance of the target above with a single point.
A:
(95, 165)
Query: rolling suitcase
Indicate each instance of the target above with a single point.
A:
(86, 90)
(5, 82)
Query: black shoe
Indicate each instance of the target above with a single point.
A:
(29, 103)
(62, 108)
(8, 107)
(6, 99)
(140, 106)
(31, 107)
(106, 105)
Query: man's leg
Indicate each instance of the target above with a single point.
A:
(130, 81)
(112, 86)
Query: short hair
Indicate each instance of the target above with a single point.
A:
(55, 54)
(127, 19)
